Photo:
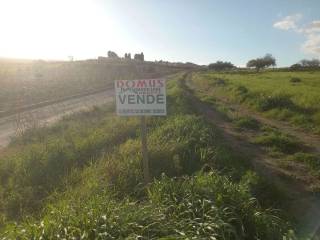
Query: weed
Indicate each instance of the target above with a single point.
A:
(312, 160)
(279, 142)
(247, 123)
(220, 82)
(295, 80)
(269, 102)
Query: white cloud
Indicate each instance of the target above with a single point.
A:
(288, 23)
(312, 45)
(311, 31)
(313, 27)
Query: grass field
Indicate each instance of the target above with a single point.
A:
(81, 179)
(263, 106)
(289, 96)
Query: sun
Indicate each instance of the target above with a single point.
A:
(55, 29)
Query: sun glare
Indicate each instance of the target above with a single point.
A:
(55, 29)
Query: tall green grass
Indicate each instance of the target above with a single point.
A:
(43, 157)
(206, 206)
(201, 189)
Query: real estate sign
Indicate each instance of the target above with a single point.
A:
(141, 97)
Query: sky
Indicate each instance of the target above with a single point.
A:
(201, 31)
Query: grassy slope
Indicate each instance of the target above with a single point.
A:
(272, 93)
(256, 90)
(87, 169)
(23, 83)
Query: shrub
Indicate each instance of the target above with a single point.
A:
(241, 90)
(221, 66)
(247, 123)
(295, 80)
(296, 67)
(312, 160)
(219, 82)
(266, 103)
(279, 142)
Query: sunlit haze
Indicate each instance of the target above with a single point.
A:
(57, 29)
(170, 30)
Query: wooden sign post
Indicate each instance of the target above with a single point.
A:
(145, 97)
(145, 157)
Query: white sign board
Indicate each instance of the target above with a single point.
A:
(141, 97)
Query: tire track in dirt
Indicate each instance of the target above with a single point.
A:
(18, 122)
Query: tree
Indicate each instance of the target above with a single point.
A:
(306, 64)
(112, 54)
(260, 63)
(269, 60)
(296, 66)
(310, 63)
(219, 66)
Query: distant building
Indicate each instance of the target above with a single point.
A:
(139, 57)
(127, 55)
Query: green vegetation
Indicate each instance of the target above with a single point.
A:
(247, 123)
(295, 80)
(280, 142)
(242, 98)
(206, 206)
(264, 62)
(312, 160)
(221, 66)
(271, 92)
(43, 157)
(81, 179)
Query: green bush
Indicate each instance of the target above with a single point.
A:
(242, 90)
(279, 142)
(295, 80)
(247, 123)
(266, 103)
(220, 82)
(311, 159)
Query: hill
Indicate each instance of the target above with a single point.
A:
(25, 82)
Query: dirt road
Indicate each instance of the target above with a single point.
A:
(11, 125)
